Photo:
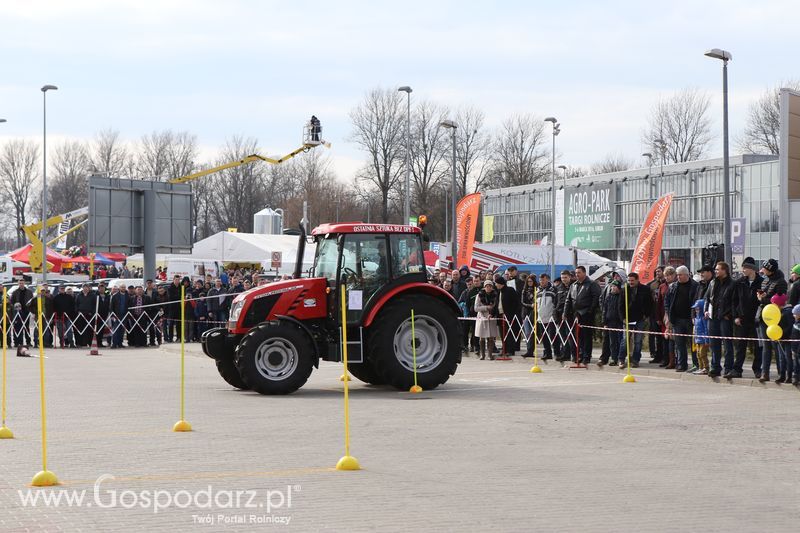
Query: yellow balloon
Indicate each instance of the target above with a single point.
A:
(771, 315)
(775, 332)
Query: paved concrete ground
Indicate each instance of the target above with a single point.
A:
(497, 447)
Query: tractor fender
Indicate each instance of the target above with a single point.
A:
(307, 331)
(411, 288)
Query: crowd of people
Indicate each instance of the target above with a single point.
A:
(711, 319)
(136, 316)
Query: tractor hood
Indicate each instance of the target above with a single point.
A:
(302, 299)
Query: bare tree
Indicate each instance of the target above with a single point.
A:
(473, 150)
(152, 156)
(429, 144)
(181, 154)
(69, 185)
(107, 154)
(682, 122)
(19, 172)
(237, 193)
(378, 125)
(521, 153)
(611, 163)
(762, 132)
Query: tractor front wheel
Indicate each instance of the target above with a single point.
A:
(275, 358)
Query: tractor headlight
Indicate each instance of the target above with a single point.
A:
(236, 310)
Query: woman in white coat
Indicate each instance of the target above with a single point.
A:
(486, 322)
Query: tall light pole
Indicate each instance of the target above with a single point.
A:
(449, 124)
(556, 131)
(725, 56)
(564, 176)
(662, 147)
(649, 157)
(43, 233)
(407, 204)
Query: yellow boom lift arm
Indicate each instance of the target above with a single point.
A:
(311, 140)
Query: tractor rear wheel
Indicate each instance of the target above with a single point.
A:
(275, 358)
(227, 369)
(437, 339)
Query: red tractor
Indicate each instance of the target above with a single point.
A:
(278, 332)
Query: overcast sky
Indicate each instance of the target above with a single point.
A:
(261, 69)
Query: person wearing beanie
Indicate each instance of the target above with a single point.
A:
(774, 283)
(745, 304)
(794, 286)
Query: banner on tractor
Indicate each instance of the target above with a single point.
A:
(467, 222)
(648, 246)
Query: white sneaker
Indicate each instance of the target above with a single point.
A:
(701, 372)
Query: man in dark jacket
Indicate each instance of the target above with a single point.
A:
(153, 326)
(174, 315)
(639, 306)
(118, 308)
(508, 306)
(609, 308)
(678, 303)
(719, 312)
(774, 283)
(583, 299)
(102, 310)
(745, 303)
(86, 307)
(654, 340)
(562, 350)
(63, 308)
(137, 306)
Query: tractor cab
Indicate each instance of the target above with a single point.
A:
(369, 260)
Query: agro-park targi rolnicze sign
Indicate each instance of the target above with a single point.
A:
(589, 217)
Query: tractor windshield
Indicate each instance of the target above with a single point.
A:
(327, 258)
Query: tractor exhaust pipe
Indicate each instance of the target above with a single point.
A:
(301, 251)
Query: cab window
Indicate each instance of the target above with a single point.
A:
(407, 255)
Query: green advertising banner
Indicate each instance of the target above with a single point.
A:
(589, 217)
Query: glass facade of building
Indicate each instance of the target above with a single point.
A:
(523, 214)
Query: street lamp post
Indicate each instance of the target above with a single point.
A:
(649, 157)
(564, 168)
(725, 56)
(556, 131)
(662, 147)
(43, 233)
(407, 204)
(449, 124)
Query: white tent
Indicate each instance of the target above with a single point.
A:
(229, 247)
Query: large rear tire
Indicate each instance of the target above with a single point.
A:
(227, 369)
(275, 358)
(438, 342)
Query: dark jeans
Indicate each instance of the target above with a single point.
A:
(636, 354)
(767, 347)
(747, 330)
(547, 332)
(721, 327)
(785, 361)
(586, 337)
(656, 342)
(683, 326)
